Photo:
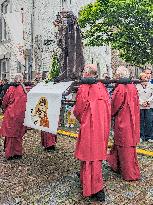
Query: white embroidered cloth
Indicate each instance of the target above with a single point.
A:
(43, 106)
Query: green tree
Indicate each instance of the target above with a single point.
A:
(55, 68)
(125, 24)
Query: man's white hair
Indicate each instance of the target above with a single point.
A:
(18, 78)
(122, 72)
(90, 69)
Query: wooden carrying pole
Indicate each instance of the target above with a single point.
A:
(111, 83)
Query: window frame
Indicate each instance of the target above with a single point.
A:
(5, 8)
(4, 74)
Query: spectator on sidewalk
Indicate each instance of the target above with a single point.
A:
(148, 73)
(145, 90)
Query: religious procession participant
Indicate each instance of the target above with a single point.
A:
(14, 106)
(126, 114)
(93, 110)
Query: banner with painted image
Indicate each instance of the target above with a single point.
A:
(43, 106)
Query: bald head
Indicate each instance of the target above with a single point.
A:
(122, 72)
(90, 70)
(18, 78)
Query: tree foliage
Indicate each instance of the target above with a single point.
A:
(55, 68)
(125, 24)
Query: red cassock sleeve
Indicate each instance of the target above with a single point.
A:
(8, 98)
(81, 102)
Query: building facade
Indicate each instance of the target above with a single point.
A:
(14, 39)
(29, 37)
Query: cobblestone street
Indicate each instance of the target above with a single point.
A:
(42, 178)
(72, 68)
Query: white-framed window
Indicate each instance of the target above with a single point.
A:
(5, 8)
(4, 69)
(107, 50)
(98, 69)
(19, 67)
(65, 3)
(136, 72)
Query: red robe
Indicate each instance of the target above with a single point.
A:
(92, 109)
(48, 139)
(14, 104)
(127, 121)
(126, 111)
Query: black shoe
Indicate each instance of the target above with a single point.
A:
(99, 196)
(10, 158)
(51, 148)
(78, 174)
(17, 157)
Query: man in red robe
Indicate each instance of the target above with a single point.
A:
(14, 106)
(126, 113)
(48, 141)
(93, 111)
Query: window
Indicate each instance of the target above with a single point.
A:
(107, 50)
(98, 69)
(4, 7)
(4, 69)
(19, 67)
(4, 30)
(64, 2)
(136, 72)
